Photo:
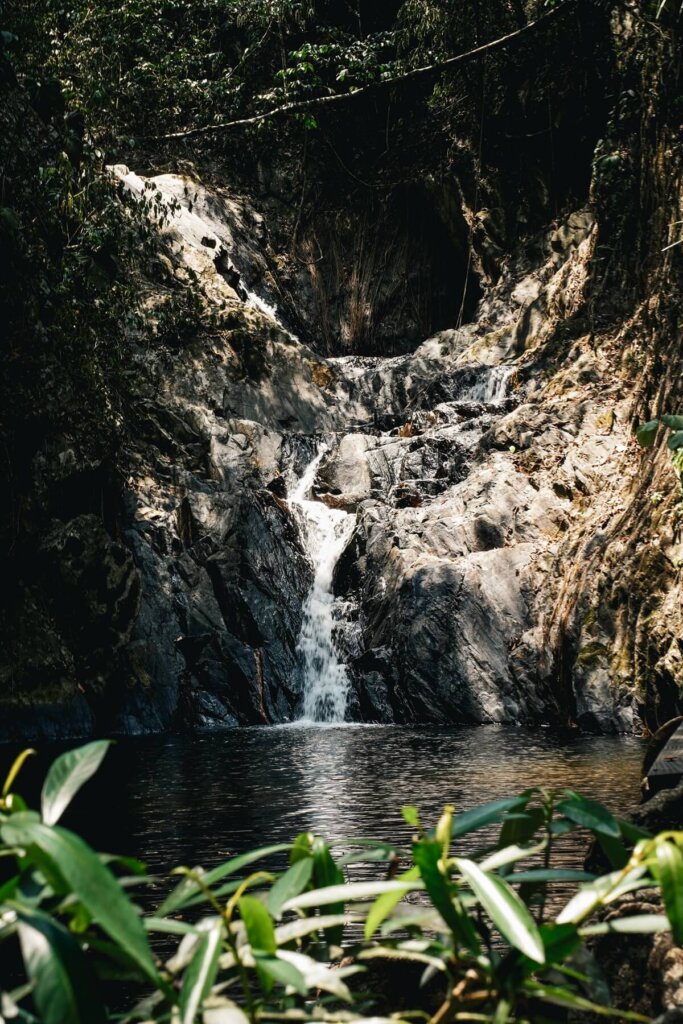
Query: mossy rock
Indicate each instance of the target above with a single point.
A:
(591, 653)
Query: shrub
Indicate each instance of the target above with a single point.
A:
(255, 944)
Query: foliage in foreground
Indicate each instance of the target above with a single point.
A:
(252, 944)
(647, 432)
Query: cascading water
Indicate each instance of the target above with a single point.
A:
(327, 531)
(256, 302)
(493, 387)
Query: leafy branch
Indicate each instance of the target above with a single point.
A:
(647, 434)
(415, 74)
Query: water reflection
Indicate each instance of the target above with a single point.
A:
(190, 800)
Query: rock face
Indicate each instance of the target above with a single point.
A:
(482, 469)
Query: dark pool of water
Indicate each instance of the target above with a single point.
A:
(196, 800)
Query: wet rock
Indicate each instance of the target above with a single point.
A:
(64, 718)
(279, 392)
(207, 712)
(644, 972)
(488, 534)
(94, 585)
(373, 672)
(662, 811)
(406, 499)
(348, 472)
(672, 1016)
(278, 486)
(226, 612)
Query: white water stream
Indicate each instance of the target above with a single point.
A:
(327, 531)
(493, 388)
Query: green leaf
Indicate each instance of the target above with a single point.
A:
(259, 924)
(244, 860)
(201, 973)
(558, 996)
(317, 975)
(411, 816)
(86, 876)
(603, 890)
(550, 875)
(670, 872)
(675, 422)
(114, 963)
(614, 850)
(409, 916)
(14, 771)
(637, 924)
(385, 903)
(282, 972)
(427, 855)
(675, 440)
(509, 855)
(9, 888)
(46, 867)
(521, 828)
(589, 813)
(200, 897)
(66, 776)
(132, 865)
(14, 803)
(505, 908)
(188, 890)
(559, 941)
(486, 814)
(326, 872)
(646, 433)
(301, 847)
(380, 854)
(632, 833)
(502, 1012)
(168, 926)
(9, 1005)
(290, 884)
(560, 827)
(345, 893)
(218, 1010)
(306, 925)
(64, 988)
(397, 953)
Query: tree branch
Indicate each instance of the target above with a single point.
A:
(409, 76)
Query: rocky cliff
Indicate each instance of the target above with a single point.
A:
(514, 556)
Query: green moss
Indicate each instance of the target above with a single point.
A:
(590, 617)
(592, 652)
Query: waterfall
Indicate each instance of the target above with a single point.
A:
(256, 302)
(494, 385)
(326, 531)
